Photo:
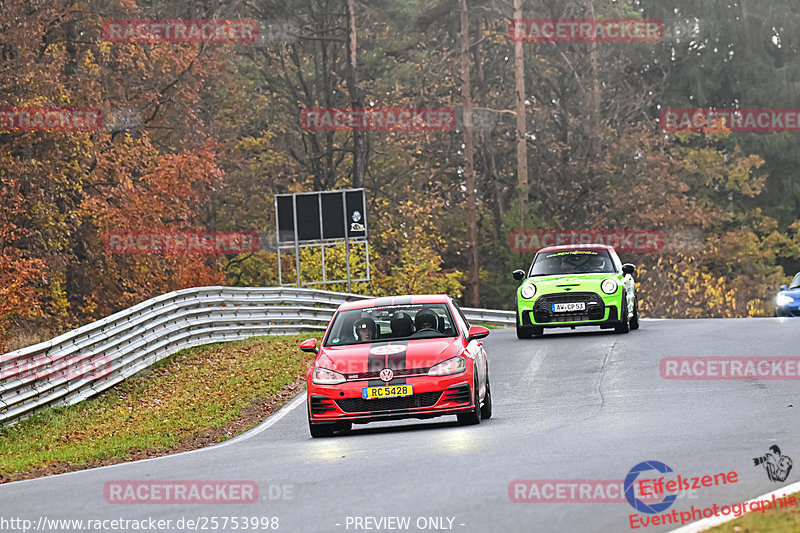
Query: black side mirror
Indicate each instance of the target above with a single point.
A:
(519, 275)
(784, 287)
(628, 268)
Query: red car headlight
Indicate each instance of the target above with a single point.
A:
(453, 365)
(323, 376)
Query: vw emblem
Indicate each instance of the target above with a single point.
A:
(387, 374)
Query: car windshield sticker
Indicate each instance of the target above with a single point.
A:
(336, 339)
(388, 350)
(574, 252)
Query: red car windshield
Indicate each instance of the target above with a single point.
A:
(394, 322)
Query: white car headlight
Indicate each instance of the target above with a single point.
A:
(323, 376)
(528, 291)
(453, 365)
(783, 299)
(609, 286)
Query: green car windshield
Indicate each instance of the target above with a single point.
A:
(572, 262)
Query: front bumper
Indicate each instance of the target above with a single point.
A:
(788, 310)
(433, 396)
(601, 310)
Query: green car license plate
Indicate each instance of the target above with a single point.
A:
(569, 307)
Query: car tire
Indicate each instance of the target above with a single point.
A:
(623, 326)
(634, 323)
(319, 429)
(486, 410)
(472, 417)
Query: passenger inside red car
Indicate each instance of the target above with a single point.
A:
(366, 329)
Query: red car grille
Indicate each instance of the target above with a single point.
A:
(400, 373)
(359, 405)
(460, 393)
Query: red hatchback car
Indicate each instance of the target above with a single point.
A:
(397, 357)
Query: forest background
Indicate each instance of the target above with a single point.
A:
(203, 135)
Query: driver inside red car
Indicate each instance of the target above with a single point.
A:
(425, 319)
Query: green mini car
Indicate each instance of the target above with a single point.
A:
(576, 285)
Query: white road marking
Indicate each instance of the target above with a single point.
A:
(265, 425)
(708, 523)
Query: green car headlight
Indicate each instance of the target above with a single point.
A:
(609, 286)
(528, 291)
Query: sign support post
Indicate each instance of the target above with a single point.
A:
(347, 244)
(296, 241)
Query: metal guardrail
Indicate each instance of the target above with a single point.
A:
(95, 357)
(489, 317)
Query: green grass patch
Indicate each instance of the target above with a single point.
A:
(191, 391)
(778, 520)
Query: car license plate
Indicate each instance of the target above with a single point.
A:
(566, 308)
(395, 391)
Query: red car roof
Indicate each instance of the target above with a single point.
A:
(395, 300)
(567, 247)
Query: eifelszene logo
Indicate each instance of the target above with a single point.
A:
(638, 504)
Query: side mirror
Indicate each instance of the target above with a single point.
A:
(477, 332)
(628, 268)
(784, 287)
(309, 345)
(519, 275)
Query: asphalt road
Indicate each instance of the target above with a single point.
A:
(573, 405)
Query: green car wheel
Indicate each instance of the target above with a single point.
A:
(635, 320)
(624, 324)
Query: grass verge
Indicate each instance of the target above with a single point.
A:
(778, 520)
(194, 398)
